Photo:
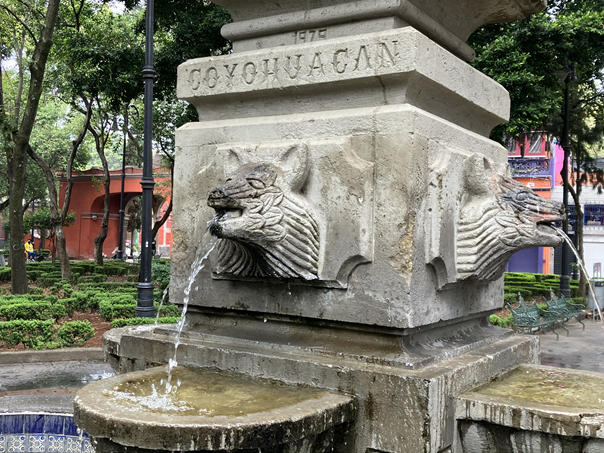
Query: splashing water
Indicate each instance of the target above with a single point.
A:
(196, 267)
(163, 297)
(574, 250)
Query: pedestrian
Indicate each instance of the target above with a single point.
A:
(29, 249)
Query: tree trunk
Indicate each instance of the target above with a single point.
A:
(18, 159)
(100, 239)
(166, 215)
(576, 195)
(17, 244)
(58, 215)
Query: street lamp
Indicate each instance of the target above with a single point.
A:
(120, 242)
(144, 305)
(566, 76)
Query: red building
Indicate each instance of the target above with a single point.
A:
(87, 201)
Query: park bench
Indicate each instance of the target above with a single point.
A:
(564, 309)
(532, 319)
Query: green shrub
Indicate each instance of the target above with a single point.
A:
(5, 274)
(510, 298)
(160, 272)
(132, 278)
(117, 306)
(506, 321)
(579, 301)
(99, 270)
(108, 286)
(75, 333)
(168, 309)
(36, 290)
(26, 310)
(527, 294)
(520, 275)
(94, 278)
(33, 334)
(134, 269)
(67, 290)
(123, 322)
(115, 270)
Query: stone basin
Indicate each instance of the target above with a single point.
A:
(210, 411)
(536, 407)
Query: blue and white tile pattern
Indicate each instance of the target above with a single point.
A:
(42, 433)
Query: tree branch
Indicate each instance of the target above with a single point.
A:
(23, 24)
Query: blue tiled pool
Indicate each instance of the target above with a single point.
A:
(42, 433)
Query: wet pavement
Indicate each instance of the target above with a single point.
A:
(581, 350)
(46, 386)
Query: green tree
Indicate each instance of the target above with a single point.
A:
(524, 57)
(54, 151)
(98, 71)
(31, 26)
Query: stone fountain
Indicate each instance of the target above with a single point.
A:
(361, 222)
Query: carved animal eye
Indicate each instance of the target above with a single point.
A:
(256, 183)
(521, 197)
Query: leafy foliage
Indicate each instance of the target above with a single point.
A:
(524, 56)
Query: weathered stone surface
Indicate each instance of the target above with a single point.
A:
(266, 227)
(268, 23)
(521, 410)
(369, 194)
(477, 438)
(386, 68)
(395, 406)
(594, 446)
(104, 417)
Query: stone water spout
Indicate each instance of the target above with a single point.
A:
(364, 219)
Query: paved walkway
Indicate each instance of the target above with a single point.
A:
(42, 387)
(581, 350)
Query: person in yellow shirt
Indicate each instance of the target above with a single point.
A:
(29, 248)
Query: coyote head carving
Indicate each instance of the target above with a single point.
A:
(500, 217)
(266, 227)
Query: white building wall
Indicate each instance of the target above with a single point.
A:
(593, 240)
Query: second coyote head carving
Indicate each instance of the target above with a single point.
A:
(266, 227)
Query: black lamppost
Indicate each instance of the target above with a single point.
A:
(144, 306)
(567, 75)
(120, 242)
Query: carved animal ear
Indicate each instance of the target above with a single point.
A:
(294, 166)
(477, 172)
(238, 156)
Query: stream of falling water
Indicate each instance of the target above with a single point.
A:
(574, 250)
(196, 267)
(161, 302)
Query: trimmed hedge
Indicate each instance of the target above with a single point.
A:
(107, 286)
(32, 310)
(506, 321)
(123, 322)
(33, 334)
(45, 334)
(5, 274)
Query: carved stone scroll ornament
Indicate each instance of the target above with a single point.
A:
(266, 227)
(500, 217)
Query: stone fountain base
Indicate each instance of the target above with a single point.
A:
(263, 418)
(406, 403)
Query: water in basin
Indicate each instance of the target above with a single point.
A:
(208, 393)
(529, 385)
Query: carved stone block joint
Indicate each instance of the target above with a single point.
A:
(266, 227)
